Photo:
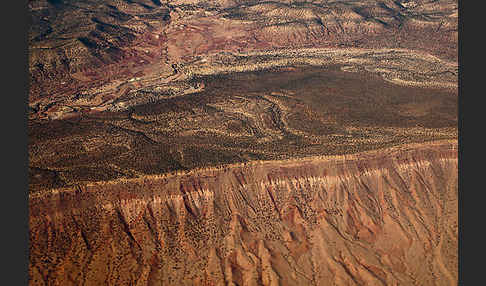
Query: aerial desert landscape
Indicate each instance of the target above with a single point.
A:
(243, 142)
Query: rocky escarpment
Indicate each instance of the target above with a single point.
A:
(386, 217)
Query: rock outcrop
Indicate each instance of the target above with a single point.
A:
(386, 217)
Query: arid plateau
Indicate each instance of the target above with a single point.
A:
(225, 142)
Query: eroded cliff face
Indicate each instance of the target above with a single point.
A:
(386, 217)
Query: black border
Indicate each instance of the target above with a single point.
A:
(15, 76)
(460, 154)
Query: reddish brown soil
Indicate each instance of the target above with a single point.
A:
(387, 217)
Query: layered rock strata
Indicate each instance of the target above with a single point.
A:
(385, 217)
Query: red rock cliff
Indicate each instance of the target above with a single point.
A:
(386, 217)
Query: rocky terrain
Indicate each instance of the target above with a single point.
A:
(243, 142)
(385, 217)
(86, 53)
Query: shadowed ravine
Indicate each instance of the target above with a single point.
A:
(384, 217)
